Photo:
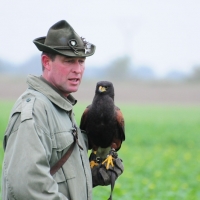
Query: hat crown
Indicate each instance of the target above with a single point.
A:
(60, 34)
(63, 40)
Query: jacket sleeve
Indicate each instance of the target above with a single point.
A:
(26, 162)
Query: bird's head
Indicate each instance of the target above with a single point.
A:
(105, 87)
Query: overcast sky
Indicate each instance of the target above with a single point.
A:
(164, 35)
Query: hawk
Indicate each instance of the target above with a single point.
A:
(104, 125)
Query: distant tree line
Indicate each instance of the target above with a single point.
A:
(195, 76)
(122, 68)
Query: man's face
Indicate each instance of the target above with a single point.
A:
(65, 73)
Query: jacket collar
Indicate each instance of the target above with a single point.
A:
(41, 85)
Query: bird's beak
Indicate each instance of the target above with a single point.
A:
(102, 89)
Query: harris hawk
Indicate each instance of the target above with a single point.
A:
(104, 125)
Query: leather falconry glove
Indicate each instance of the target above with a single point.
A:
(102, 176)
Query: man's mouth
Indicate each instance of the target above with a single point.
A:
(75, 80)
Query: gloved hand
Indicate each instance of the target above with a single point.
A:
(102, 176)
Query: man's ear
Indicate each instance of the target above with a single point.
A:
(46, 62)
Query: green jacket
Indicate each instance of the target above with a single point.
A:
(38, 134)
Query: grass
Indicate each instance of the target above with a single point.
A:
(161, 153)
(5, 108)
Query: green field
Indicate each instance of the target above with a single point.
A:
(161, 153)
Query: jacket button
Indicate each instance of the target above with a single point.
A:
(28, 99)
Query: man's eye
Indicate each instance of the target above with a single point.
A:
(81, 61)
(69, 61)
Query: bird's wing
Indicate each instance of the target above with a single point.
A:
(120, 123)
(83, 122)
(83, 125)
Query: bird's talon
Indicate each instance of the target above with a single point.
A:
(108, 161)
(93, 163)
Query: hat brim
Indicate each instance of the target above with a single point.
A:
(39, 42)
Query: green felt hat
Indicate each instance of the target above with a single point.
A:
(63, 40)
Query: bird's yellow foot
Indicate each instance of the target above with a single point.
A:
(93, 163)
(93, 159)
(108, 161)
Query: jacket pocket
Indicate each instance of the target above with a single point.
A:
(59, 176)
(63, 141)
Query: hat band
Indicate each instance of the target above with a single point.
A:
(65, 47)
(76, 49)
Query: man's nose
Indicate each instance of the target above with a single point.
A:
(77, 67)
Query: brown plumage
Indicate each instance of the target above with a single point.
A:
(103, 121)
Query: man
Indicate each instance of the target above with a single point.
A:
(42, 127)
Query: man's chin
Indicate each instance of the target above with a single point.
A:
(72, 90)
